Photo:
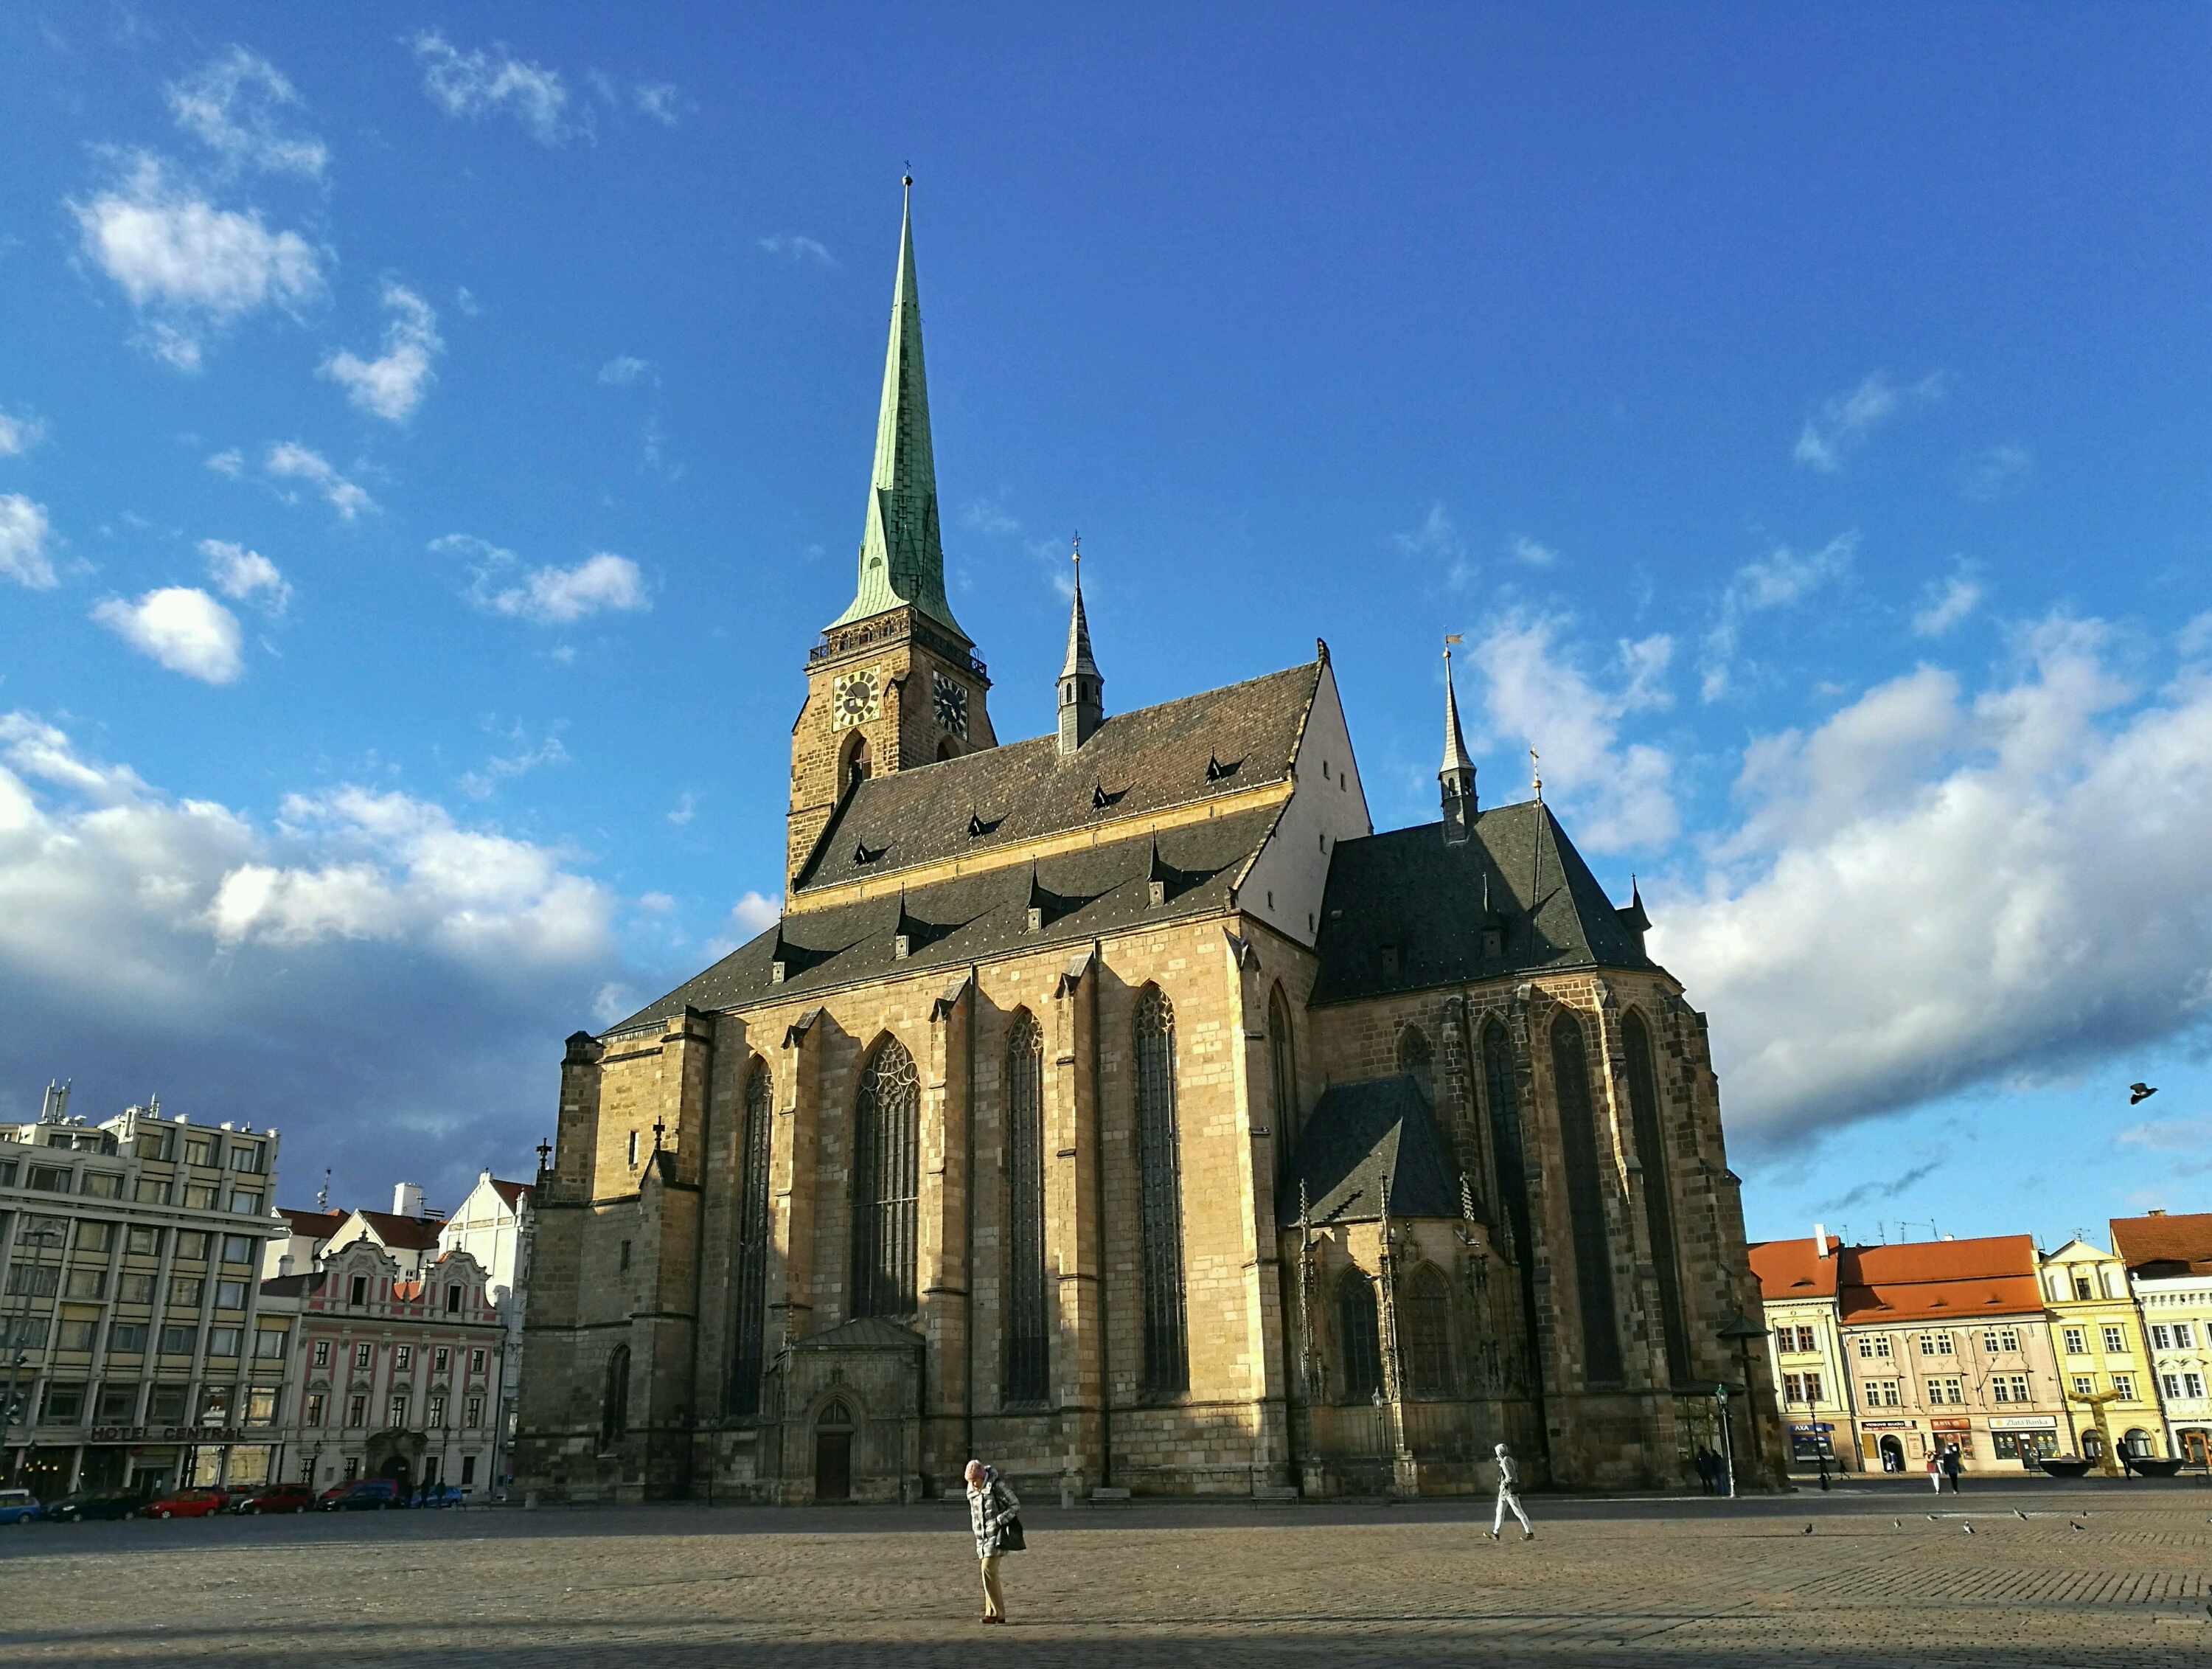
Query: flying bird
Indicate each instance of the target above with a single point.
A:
(2140, 1092)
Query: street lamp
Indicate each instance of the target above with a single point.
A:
(1743, 1331)
(41, 1237)
(1382, 1444)
(1728, 1434)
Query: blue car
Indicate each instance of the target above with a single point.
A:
(20, 1506)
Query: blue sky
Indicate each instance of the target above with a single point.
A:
(429, 441)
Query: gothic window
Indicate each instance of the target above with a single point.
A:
(1283, 1061)
(855, 761)
(886, 1182)
(1578, 1150)
(1417, 1060)
(1359, 1336)
(1028, 1346)
(751, 1275)
(1658, 1193)
(1160, 1187)
(614, 1404)
(1424, 1331)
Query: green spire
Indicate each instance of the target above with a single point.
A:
(901, 555)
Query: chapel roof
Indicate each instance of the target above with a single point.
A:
(2164, 1246)
(1404, 910)
(1359, 1135)
(1174, 754)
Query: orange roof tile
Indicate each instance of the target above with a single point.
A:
(1788, 1269)
(2185, 1240)
(1958, 1280)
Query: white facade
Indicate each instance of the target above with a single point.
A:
(2177, 1319)
(493, 1226)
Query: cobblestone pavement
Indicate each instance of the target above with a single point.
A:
(1877, 1581)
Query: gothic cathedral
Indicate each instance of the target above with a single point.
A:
(1117, 1105)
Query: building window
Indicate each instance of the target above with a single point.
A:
(1283, 1065)
(2115, 1341)
(435, 1416)
(198, 1150)
(624, 1254)
(1881, 1393)
(238, 1248)
(1425, 1326)
(358, 1291)
(468, 1470)
(192, 1245)
(230, 1294)
(33, 1279)
(269, 1342)
(2161, 1336)
(473, 1408)
(314, 1408)
(633, 1150)
(322, 1358)
(2185, 1336)
(614, 1400)
(73, 1335)
(64, 1406)
(441, 1359)
(261, 1406)
(126, 1338)
(1803, 1387)
(1579, 1147)
(1416, 1059)
(2085, 1384)
(402, 1358)
(2192, 1384)
(103, 1185)
(50, 1179)
(751, 1275)
(214, 1405)
(475, 1362)
(184, 1292)
(1359, 1336)
(2076, 1344)
(2009, 1387)
(222, 1341)
(1028, 1353)
(1935, 1344)
(1159, 1189)
(150, 1190)
(357, 1409)
(87, 1284)
(2001, 1339)
(246, 1157)
(2124, 1385)
(2082, 1289)
(398, 1412)
(1658, 1188)
(1501, 1083)
(363, 1355)
(143, 1243)
(1945, 1388)
(454, 1296)
(886, 1182)
(1875, 1348)
(179, 1341)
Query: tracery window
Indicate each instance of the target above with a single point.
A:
(1658, 1188)
(1501, 1087)
(614, 1404)
(886, 1183)
(1160, 1185)
(1359, 1336)
(749, 1277)
(1579, 1147)
(1424, 1334)
(1417, 1060)
(1028, 1344)
(1282, 1060)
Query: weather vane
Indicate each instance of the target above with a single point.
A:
(1450, 638)
(1536, 775)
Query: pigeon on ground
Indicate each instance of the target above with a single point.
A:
(1897, 1524)
(2140, 1092)
(1808, 1529)
(2018, 1514)
(1968, 1528)
(2073, 1526)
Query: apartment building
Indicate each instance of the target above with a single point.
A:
(495, 1226)
(137, 1350)
(2103, 1367)
(2169, 1264)
(1798, 1284)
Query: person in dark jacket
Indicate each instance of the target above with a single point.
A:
(1954, 1464)
(992, 1505)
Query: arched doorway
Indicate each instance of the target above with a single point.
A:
(398, 1471)
(2093, 1444)
(833, 1454)
(1892, 1455)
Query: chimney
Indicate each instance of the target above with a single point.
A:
(1819, 1240)
(284, 1265)
(2156, 1211)
(407, 1199)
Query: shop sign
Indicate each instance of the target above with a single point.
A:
(169, 1435)
(2023, 1422)
(1889, 1425)
(1817, 1425)
(1951, 1425)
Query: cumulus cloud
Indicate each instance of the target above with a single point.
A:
(553, 596)
(1938, 888)
(182, 628)
(235, 105)
(805, 251)
(623, 369)
(479, 83)
(229, 461)
(753, 914)
(1780, 579)
(1620, 793)
(186, 266)
(392, 386)
(1946, 605)
(288, 460)
(24, 531)
(244, 575)
(18, 435)
(1843, 424)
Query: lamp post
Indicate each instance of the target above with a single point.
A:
(40, 1238)
(1727, 1435)
(1382, 1444)
(1742, 1330)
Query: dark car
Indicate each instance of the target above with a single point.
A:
(277, 1498)
(363, 1495)
(84, 1506)
(194, 1503)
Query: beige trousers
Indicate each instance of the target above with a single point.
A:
(993, 1603)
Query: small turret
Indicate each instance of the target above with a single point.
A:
(1457, 774)
(1082, 689)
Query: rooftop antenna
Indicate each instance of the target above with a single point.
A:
(323, 1193)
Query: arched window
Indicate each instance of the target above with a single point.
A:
(1658, 1190)
(614, 1401)
(751, 1275)
(1159, 1190)
(1283, 1064)
(886, 1182)
(1585, 1203)
(1418, 1061)
(1359, 1336)
(1424, 1333)
(855, 761)
(1501, 1086)
(1029, 1356)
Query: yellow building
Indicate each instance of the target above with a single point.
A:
(2104, 1368)
(1797, 1285)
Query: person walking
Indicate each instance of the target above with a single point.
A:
(993, 1514)
(1509, 1476)
(1709, 1470)
(1954, 1464)
(1936, 1470)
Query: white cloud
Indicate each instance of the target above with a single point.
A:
(232, 105)
(756, 912)
(989, 515)
(623, 369)
(182, 628)
(230, 461)
(2189, 1139)
(659, 903)
(476, 84)
(288, 460)
(527, 757)
(1437, 541)
(24, 531)
(656, 100)
(1620, 793)
(801, 249)
(1780, 579)
(1934, 890)
(1528, 551)
(1843, 423)
(686, 808)
(242, 574)
(393, 386)
(1996, 472)
(560, 596)
(187, 265)
(1946, 606)
(18, 435)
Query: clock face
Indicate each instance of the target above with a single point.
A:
(952, 701)
(855, 698)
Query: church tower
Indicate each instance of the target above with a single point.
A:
(895, 683)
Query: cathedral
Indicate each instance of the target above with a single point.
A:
(1116, 1105)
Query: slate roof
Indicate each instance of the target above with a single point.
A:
(1790, 1268)
(1359, 1134)
(1962, 1281)
(1404, 912)
(1142, 762)
(869, 1332)
(512, 1192)
(1093, 891)
(2164, 1246)
(313, 1225)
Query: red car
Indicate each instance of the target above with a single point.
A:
(277, 1498)
(185, 1504)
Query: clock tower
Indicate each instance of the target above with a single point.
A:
(894, 683)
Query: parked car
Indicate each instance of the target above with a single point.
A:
(277, 1498)
(439, 1495)
(20, 1506)
(363, 1495)
(193, 1503)
(83, 1505)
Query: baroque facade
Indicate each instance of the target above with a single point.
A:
(1117, 1104)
